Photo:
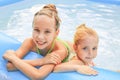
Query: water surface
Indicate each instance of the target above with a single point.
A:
(16, 20)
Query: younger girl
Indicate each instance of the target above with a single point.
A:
(44, 41)
(85, 46)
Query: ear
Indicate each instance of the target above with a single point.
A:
(75, 47)
(57, 32)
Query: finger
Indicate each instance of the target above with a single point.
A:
(92, 72)
(85, 72)
(56, 61)
(56, 58)
(95, 72)
(53, 62)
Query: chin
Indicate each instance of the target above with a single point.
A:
(41, 47)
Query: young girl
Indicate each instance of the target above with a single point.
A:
(85, 46)
(44, 41)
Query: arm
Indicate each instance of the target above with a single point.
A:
(54, 57)
(67, 66)
(26, 46)
(75, 65)
(27, 69)
(31, 72)
(36, 62)
(59, 53)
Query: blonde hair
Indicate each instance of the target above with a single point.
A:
(82, 31)
(50, 11)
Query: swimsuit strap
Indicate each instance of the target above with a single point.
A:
(38, 50)
(50, 50)
(68, 49)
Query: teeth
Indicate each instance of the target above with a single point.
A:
(40, 42)
(88, 57)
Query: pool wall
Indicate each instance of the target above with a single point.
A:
(8, 2)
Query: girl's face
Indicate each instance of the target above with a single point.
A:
(44, 31)
(86, 49)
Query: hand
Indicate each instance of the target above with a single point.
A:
(52, 58)
(9, 55)
(83, 69)
(10, 67)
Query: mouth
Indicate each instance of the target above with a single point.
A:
(41, 43)
(88, 58)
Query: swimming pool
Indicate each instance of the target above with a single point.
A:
(16, 21)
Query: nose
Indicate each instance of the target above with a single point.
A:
(90, 52)
(41, 36)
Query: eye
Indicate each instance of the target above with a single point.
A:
(94, 48)
(47, 31)
(85, 48)
(36, 30)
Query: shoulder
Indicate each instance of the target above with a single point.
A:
(59, 44)
(63, 43)
(28, 43)
(29, 39)
(25, 47)
(77, 61)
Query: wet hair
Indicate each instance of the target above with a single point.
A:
(82, 32)
(50, 11)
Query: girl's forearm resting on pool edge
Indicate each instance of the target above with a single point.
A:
(30, 71)
(35, 62)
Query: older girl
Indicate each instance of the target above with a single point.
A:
(44, 41)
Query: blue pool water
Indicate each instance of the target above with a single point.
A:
(16, 20)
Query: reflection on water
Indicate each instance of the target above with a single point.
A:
(104, 18)
(4, 76)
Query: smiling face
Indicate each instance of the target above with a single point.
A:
(86, 49)
(44, 31)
